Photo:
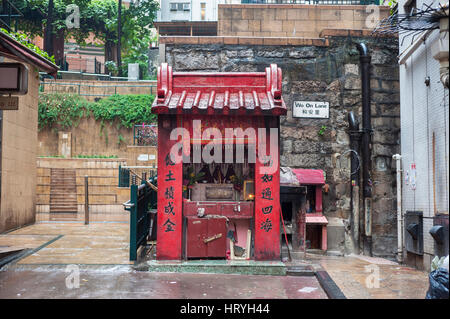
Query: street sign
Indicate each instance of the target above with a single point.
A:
(9, 103)
(311, 109)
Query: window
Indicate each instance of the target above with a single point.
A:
(180, 6)
(203, 11)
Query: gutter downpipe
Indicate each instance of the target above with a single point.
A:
(398, 159)
(365, 60)
(355, 166)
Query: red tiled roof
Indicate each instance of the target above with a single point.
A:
(309, 176)
(254, 93)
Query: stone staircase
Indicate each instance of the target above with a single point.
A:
(63, 191)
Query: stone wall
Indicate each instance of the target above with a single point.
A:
(18, 153)
(89, 137)
(294, 20)
(326, 72)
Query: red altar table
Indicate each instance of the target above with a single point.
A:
(187, 105)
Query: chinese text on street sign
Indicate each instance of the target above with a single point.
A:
(311, 109)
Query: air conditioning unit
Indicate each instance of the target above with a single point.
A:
(414, 232)
(439, 232)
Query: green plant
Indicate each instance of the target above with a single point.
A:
(62, 111)
(128, 109)
(24, 40)
(95, 156)
(191, 177)
(121, 139)
(112, 67)
(322, 130)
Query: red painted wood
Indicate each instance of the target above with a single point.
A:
(267, 202)
(318, 199)
(324, 237)
(217, 247)
(220, 208)
(254, 93)
(169, 195)
(196, 232)
(199, 229)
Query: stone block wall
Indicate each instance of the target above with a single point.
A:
(327, 72)
(18, 154)
(295, 20)
(94, 90)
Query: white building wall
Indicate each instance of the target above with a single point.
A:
(194, 14)
(424, 110)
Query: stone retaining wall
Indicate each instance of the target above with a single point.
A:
(295, 20)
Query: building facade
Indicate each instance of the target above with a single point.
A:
(424, 137)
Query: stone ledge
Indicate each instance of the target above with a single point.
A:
(241, 40)
(298, 6)
(325, 33)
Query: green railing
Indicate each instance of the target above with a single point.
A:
(142, 207)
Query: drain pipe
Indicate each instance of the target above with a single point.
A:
(365, 60)
(398, 159)
(355, 165)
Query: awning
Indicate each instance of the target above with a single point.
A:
(309, 176)
(253, 93)
(322, 220)
(15, 50)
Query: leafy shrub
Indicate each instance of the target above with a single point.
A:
(128, 109)
(62, 110)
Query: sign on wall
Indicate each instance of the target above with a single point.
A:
(311, 109)
(9, 103)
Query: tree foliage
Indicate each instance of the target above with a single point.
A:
(97, 17)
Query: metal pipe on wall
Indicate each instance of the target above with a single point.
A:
(355, 164)
(365, 63)
(398, 159)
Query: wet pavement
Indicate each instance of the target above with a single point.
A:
(362, 277)
(100, 251)
(120, 282)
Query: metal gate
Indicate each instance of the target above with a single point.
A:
(142, 208)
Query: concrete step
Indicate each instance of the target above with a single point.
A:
(248, 267)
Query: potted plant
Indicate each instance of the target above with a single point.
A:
(190, 179)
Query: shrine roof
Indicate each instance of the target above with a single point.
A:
(309, 176)
(219, 93)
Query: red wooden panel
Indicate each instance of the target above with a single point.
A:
(267, 197)
(196, 232)
(170, 196)
(217, 247)
(318, 199)
(237, 210)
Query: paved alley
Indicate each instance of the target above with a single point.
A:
(97, 254)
